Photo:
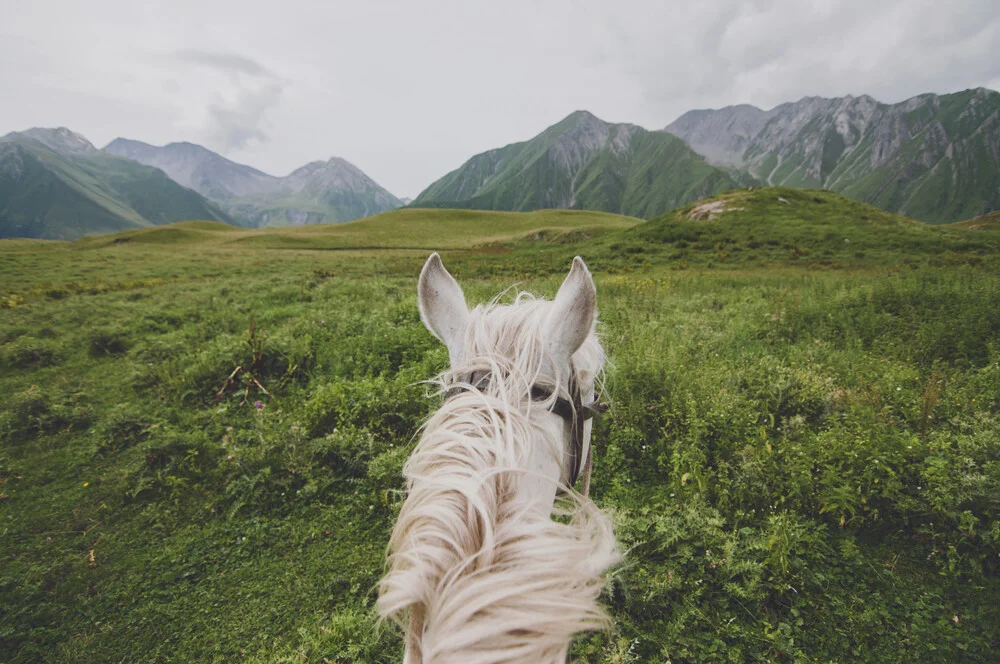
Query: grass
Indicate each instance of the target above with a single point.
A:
(989, 221)
(812, 229)
(802, 459)
(404, 229)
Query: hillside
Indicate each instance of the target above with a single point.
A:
(330, 191)
(989, 222)
(935, 158)
(56, 195)
(399, 229)
(779, 226)
(581, 163)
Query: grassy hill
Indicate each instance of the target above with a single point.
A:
(782, 226)
(47, 194)
(801, 456)
(988, 222)
(397, 229)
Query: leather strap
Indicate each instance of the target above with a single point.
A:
(572, 410)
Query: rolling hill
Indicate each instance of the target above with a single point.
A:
(582, 163)
(45, 193)
(407, 228)
(935, 158)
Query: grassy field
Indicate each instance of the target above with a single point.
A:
(202, 430)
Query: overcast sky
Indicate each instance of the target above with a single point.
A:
(409, 90)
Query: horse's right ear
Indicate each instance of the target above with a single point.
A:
(442, 306)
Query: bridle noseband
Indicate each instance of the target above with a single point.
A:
(572, 410)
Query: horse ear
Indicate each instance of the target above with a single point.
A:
(573, 312)
(442, 306)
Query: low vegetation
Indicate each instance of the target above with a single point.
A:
(201, 433)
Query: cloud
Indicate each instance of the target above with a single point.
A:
(244, 92)
(237, 124)
(228, 62)
(726, 52)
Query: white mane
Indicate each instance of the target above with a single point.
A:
(479, 572)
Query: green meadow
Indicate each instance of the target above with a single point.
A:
(202, 430)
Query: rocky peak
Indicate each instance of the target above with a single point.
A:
(334, 173)
(60, 139)
(721, 135)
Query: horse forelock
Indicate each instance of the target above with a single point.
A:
(507, 342)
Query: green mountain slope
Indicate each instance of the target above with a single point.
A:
(935, 158)
(582, 163)
(48, 194)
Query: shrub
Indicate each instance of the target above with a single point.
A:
(123, 426)
(35, 411)
(390, 409)
(107, 341)
(30, 353)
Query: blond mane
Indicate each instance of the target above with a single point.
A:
(478, 573)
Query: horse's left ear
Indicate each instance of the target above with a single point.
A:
(573, 312)
(442, 306)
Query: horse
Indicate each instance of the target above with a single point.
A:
(478, 570)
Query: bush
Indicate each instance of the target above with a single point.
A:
(36, 411)
(108, 341)
(390, 409)
(30, 353)
(122, 427)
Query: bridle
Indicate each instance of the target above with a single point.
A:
(572, 410)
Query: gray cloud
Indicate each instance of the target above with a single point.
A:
(408, 91)
(229, 62)
(237, 117)
(237, 125)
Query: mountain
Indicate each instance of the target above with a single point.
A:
(59, 139)
(582, 163)
(47, 193)
(721, 136)
(935, 158)
(329, 191)
(319, 192)
(198, 168)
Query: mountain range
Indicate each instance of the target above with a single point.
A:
(935, 158)
(55, 184)
(318, 192)
(583, 163)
